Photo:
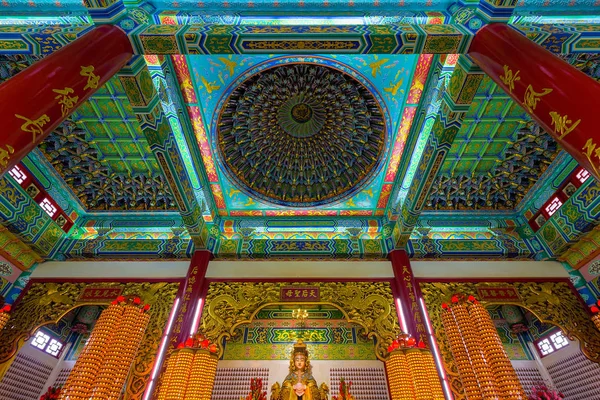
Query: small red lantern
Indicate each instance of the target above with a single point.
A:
(213, 348)
(137, 301)
(455, 298)
(121, 299)
(189, 342)
(411, 342)
(594, 309)
(444, 306)
(6, 308)
(204, 344)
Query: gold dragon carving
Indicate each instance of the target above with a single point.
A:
(368, 304)
(47, 303)
(551, 302)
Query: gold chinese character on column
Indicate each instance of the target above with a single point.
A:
(34, 126)
(509, 78)
(562, 124)
(93, 79)
(66, 102)
(532, 97)
(590, 150)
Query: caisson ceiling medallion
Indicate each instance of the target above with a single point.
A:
(301, 134)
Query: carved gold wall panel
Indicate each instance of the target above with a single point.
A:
(46, 303)
(368, 304)
(551, 302)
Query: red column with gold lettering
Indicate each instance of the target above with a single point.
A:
(562, 99)
(407, 292)
(188, 315)
(189, 309)
(35, 101)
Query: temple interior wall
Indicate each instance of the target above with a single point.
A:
(299, 269)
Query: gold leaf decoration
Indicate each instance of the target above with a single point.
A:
(368, 304)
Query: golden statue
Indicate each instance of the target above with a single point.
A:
(299, 384)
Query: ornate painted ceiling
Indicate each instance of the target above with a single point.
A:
(312, 140)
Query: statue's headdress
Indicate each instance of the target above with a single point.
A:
(300, 348)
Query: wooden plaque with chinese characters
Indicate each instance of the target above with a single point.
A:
(299, 293)
(93, 294)
(498, 293)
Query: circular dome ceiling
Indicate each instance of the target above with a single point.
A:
(301, 134)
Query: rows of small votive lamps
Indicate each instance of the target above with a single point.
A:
(595, 319)
(24, 379)
(190, 375)
(234, 382)
(412, 375)
(4, 317)
(483, 366)
(102, 367)
(367, 383)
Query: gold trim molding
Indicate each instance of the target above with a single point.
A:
(368, 304)
(551, 302)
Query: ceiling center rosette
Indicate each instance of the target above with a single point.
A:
(301, 132)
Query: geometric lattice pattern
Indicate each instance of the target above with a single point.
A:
(496, 157)
(97, 186)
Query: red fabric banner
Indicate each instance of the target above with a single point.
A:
(35, 101)
(562, 99)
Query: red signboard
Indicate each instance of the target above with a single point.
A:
(498, 293)
(100, 294)
(300, 293)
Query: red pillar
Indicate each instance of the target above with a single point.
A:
(190, 307)
(407, 291)
(187, 315)
(562, 99)
(35, 101)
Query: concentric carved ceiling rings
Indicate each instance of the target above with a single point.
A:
(301, 134)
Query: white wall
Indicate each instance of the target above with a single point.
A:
(300, 269)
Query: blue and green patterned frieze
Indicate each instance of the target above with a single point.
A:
(577, 216)
(148, 38)
(300, 249)
(505, 247)
(128, 249)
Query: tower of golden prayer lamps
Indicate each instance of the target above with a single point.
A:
(4, 315)
(103, 365)
(508, 384)
(483, 366)
(411, 371)
(190, 372)
(595, 315)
